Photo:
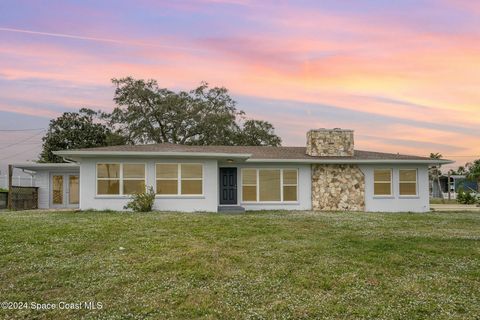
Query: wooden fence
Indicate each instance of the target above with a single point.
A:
(23, 198)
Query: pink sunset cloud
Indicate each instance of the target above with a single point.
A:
(407, 78)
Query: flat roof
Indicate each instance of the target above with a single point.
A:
(37, 166)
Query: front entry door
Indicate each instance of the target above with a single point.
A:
(65, 190)
(228, 185)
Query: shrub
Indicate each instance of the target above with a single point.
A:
(466, 197)
(142, 202)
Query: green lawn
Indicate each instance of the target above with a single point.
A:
(260, 265)
(443, 201)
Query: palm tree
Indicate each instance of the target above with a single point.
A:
(474, 172)
(461, 170)
(434, 171)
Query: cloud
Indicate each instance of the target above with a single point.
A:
(393, 76)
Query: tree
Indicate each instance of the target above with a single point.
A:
(474, 172)
(73, 130)
(258, 133)
(435, 172)
(147, 113)
(461, 170)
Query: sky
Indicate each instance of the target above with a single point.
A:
(405, 75)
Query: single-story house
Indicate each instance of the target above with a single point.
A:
(456, 182)
(326, 174)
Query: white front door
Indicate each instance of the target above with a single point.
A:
(64, 190)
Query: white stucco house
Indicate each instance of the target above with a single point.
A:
(326, 174)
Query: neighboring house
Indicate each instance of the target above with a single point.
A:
(457, 182)
(327, 174)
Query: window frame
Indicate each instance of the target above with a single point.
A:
(390, 195)
(179, 181)
(400, 182)
(257, 170)
(120, 179)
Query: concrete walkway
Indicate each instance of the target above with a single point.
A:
(455, 207)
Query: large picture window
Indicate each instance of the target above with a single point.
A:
(269, 185)
(179, 178)
(408, 182)
(120, 178)
(382, 182)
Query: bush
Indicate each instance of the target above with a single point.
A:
(142, 202)
(466, 197)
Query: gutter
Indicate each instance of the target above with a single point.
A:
(87, 154)
(350, 161)
(243, 156)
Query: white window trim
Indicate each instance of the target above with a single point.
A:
(391, 184)
(120, 179)
(416, 184)
(179, 181)
(258, 186)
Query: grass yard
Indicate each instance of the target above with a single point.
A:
(443, 201)
(260, 265)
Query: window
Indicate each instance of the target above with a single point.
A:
(179, 178)
(408, 182)
(382, 182)
(108, 179)
(191, 178)
(269, 185)
(289, 185)
(133, 178)
(120, 178)
(249, 184)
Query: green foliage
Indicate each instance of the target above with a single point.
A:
(142, 202)
(257, 133)
(466, 197)
(74, 130)
(474, 172)
(147, 113)
(3, 190)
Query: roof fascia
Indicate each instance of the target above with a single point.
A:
(85, 154)
(349, 161)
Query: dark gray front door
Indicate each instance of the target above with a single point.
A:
(228, 185)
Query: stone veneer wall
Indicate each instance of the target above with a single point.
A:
(333, 143)
(338, 187)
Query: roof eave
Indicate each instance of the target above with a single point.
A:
(89, 154)
(352, 161)
(38, 166)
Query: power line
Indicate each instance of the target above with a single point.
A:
(21, 141)
(16, 154)
(18, 130)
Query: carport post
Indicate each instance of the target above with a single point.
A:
(10, 175)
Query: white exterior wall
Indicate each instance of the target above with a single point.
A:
(42, 181)
(304, 189)
(397, 203)
(207, 202)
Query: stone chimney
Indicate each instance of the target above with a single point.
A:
(330, 142)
